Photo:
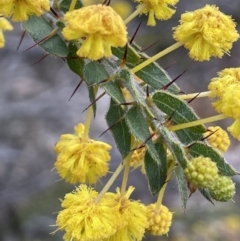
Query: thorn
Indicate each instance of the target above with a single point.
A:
(204, 138)
(54, 13)
(124, 60)
(92, 103)
(167, 85)
(135, 33)
(168, 121)
(101, 82)
(21, 39)
(144, 143)
(42, 58)
(48, 36)
(110, 127)
(148, 47)
(76, 89)
(147, 92)
(170, 65)
(194, 98)
(106, 2)
(126, 103)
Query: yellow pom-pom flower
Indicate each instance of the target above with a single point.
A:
(81, 159)
(206, 32)
(217, 138)
(137, 159)
(133, 221)
(122, 7)
(4, 26)
(82, 218)
(159, 9)
(159, 220)
(226, 78)
(19, 10)
(100, 26)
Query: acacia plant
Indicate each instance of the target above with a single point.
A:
(151, 122)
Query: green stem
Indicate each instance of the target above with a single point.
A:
(190, 96)
(126, 173)
(72, 5)
(197, 122)
(88, 122)
(135, 13)
(157, 56)
(127, 161)
(161, 193)
(110, 181)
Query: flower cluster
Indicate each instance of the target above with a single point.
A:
(152, 124)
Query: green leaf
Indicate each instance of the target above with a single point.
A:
(205, 192)
(156, 76)
(65, 4)
(180, 112)
(174, 146)
(202, 149)
(38, 28)
(133, 87)
(182, 185)
(119, 131)
(139, 128)
(156, 174)
(132, 56)
(95, 72)
(75, 63)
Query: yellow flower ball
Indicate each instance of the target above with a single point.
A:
(103, 28)
(217, 138)
(206, 32)
(81, 159)
(133, 217)
(159, 9)
(19, 10)
(82, 218)
(159, 220)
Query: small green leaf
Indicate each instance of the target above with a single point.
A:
(205, 192)
(174, 146)
(202, 149)
(120, 131)
(132, 56)
(75, 63)
(139, 128)
(180, 112)
(156, 76)
(182, 185)
(38, 28)
(156, 174)
(65, 4)
(95, 72)
(133, 87)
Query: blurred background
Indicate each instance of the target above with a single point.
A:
(35, 111)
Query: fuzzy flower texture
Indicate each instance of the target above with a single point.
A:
(4, 26)
(98, 28)
(81, 159)
(226, 88)
(206, 32)
(159, 9)
(112, 218)
(19, 10)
